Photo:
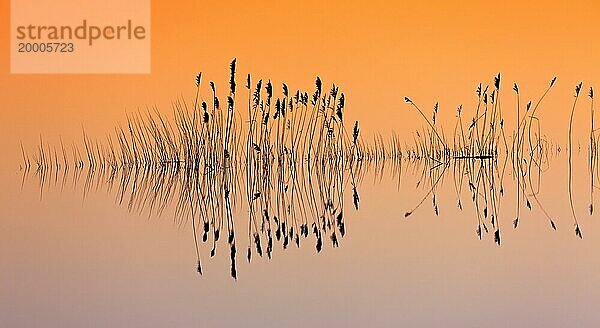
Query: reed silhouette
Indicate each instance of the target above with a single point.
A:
(476, 154)
(570, 161)
(289, 163)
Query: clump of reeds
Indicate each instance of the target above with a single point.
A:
(478, 146)
(292, 156)
(289, 162)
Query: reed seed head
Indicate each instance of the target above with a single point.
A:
(198, 79)
(497, 82)
(578, 231)
(578, 89)
(285, 90)
(232, 76)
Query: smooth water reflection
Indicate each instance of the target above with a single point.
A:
(76, 258)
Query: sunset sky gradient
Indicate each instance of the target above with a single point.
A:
(378, 52)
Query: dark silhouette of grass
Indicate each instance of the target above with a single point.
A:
(291, 160)
(483, 140)
(570, 161)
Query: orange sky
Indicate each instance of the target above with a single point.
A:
(378, 53)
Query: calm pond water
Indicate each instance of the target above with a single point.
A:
(72, 256)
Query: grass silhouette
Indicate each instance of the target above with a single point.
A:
(291, 159)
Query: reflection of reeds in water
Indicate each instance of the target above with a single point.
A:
(593, 150)
(291, 163)
(475, 154)
(537, 151)
(570, 161)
